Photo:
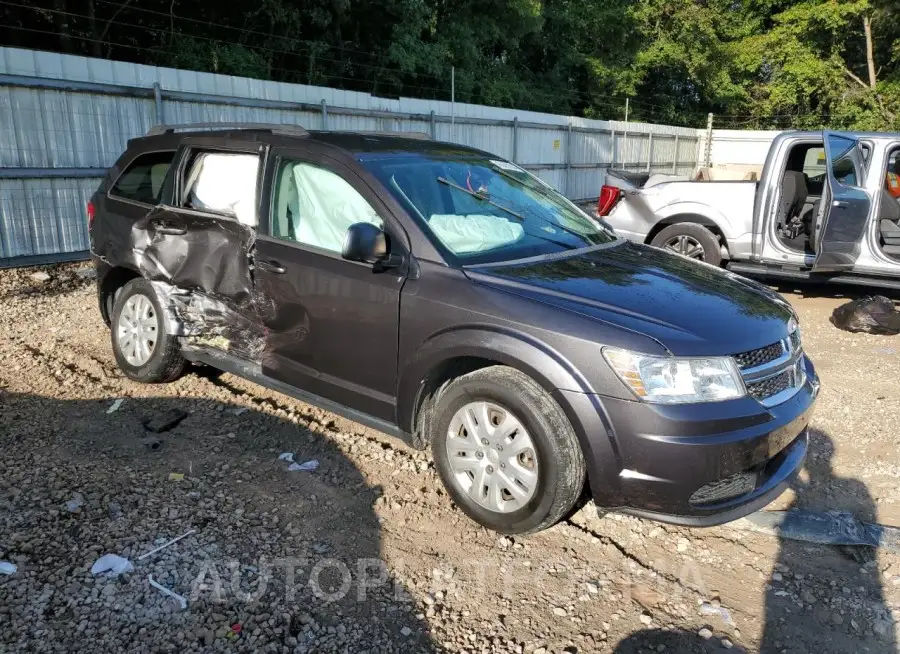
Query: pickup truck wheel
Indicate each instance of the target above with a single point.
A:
(690, 240)
(144, 351)
(506, 451)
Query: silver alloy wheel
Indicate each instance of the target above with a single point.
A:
(492, 457)
(686, 246)
(137, 330)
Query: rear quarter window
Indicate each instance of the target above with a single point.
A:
(142, 181)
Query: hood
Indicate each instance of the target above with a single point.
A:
(691, 308)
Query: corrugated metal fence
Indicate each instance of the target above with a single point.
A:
(65, 119)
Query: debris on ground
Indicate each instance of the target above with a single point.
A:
(75, 503)
(306, 466)
(166, 544)
(182, 602)
(7, 568)
(710, 609)
(115, 406)
(165, 421)
(874, 314)
(41, 277)
(823, 528)
(152, 443)
(112, 564)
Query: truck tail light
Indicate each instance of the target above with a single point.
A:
(609, 197)
(90, 215)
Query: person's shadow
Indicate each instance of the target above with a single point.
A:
(818, 598)
(823, 598)
(292, 557)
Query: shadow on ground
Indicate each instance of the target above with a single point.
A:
(818, 598)
(294, 557)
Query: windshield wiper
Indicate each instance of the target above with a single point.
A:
(545, 193)
(480, 196)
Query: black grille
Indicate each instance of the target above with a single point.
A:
(725, 489)
(759, 357)
(771, 386)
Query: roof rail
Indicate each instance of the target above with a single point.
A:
(419, 136)
(293, 130)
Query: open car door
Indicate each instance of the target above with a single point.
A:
(840, 222)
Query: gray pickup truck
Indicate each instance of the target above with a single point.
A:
(825, 208)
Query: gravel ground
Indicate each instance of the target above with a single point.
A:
(367, 553)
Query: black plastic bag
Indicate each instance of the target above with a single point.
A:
(873, 315)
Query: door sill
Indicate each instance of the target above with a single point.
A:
(252, 371)
(805, 274)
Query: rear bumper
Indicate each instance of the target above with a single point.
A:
(694, 465)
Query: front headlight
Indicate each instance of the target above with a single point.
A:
(670, 380)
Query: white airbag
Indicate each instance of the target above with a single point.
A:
(326, 207)
(226, 183)
(474, 232)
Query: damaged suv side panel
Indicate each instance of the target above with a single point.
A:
(201, 265)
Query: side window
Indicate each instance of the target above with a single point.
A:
(814, 170)
(892, 174)
(223, 183)
(843, 164)
(142, 181)
(814, 163)
(315, 206)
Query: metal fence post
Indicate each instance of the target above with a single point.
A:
(433, 127)
(612, 147)
(515, 139)
(324, 114)
(649, 151)
(675, 157)
(158, 103)
(709, 127)
(568, 158)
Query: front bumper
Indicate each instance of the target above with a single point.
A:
(695, 465)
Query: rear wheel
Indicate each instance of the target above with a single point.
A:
(144, 350)
(506, 451)
(690, 240)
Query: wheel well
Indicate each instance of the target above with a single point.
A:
(113, 281)
(430, 389)
(687, 218)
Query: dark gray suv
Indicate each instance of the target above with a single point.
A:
(450, 298)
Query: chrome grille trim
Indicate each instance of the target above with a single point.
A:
(777, 379)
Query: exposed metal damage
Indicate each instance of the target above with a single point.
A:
(203, 278)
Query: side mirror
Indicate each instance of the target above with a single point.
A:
(364, 242)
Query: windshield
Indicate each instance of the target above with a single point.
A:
(483, 210)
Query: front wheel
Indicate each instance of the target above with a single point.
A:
(506, 451)
(690, 240)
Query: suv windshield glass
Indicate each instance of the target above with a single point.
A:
(485, 210)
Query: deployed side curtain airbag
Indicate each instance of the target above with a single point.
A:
(226, 183)
(326, 207)
(474, 233)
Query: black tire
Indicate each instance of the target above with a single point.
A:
(166, 362)
(712, 252)
(561, 467)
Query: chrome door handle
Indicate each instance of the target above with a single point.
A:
(840, 204)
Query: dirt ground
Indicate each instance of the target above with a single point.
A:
(367, 553)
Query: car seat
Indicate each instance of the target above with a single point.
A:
(889, 212)
(790, 204)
